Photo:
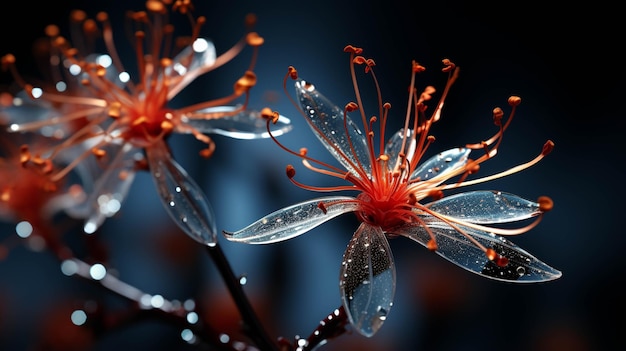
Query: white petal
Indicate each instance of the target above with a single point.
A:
(368, 279)
(292, 221)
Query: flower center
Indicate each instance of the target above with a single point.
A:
(146, 125)
(387, 211)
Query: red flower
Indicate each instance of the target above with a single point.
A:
(392, 184)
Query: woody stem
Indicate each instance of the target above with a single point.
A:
(252, 324)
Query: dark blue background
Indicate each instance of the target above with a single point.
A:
(566, 66)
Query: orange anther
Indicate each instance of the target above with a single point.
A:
(417, 68)
(250, 20)
(501, 261)
(491, 254)
(24, 154)
(547, 147)
(497, 116)
(322, 207)
(291, 172)
(207, 152)
(52, 30)
(359, 60)
(99, 153)
(47, 166)
(353, 49)
(351, 106)
(267, 113)
(5, 195)
(431, 245)
(245, 83)
(166, 62)
(545, 203)
(156, 6)
(8, 59)
(254, 39)
(514, 100)
(102, 16)
(293, 73)
(449, 65)
(167, 126)
(90, 26)
(123, 175)
(435, 194)
(140, 120)
(78, 16)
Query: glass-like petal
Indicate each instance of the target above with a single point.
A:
(112, 73)
(458, 249)
(192, 62)
(327, 122)
(442, 164)
(183, 199)
(486, 207)
(35, 112)
(202, 53)
(292, 221)
(247, 124)
(393, 148)
(106, 185)
(368, 279)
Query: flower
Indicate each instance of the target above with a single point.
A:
(28, 197)
(114, 118)
(393, 185)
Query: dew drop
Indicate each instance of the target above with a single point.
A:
(381, 312)
(24, 229)
(224, 338)
(520, 271)
(188, 336)
(78, 317)
(189, 305)
(97, 271)
(192, 318)
(69, 267)
(157, 301)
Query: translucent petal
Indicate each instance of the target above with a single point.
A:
(394, 146)
(202, 53)
(106, 185)
(458, 249)
(244, 125)
(27, 110)
(183, 199)
(292, 221)
(368, 279)
(486, 207)
(112, 74)
(327, 122)
(442, 164)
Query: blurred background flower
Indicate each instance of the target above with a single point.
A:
(571, 90)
